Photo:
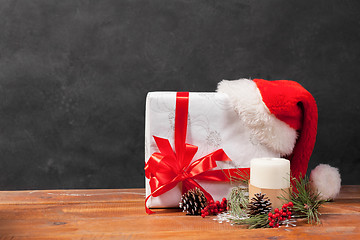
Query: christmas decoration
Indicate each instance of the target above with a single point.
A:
(182, 152)
(241, 177)
(305, 201)
(193, 201)
(214, 208)
(279, 216)
(258, 221)
(277, 112)
(259, 204)
(270, 176)
(272, 219)
(245, 119)
(325, 180)
(238, 201)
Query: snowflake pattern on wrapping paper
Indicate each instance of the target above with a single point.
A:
(214, 139)
(171, 118)
(207, 96)
(217, 100)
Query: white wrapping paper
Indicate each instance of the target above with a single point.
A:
(212, 124)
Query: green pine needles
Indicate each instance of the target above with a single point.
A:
(257, 221)
(238, 201)
(306, 201)
(239, 177)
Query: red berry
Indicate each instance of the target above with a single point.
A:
(284, 214)
(285, 205)
(273, 216)
(290, 204)
(289, 213)
(289, 216)
(270, 214)
(270, 219)
(276, 210)
(202, 215)
(271, 224)
(277, 215)
(277, 225)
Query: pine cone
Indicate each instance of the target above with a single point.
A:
(193, 201)
(259, 205)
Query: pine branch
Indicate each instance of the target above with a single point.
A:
(238, 201)
(306, 202)
(258, 221)
(240, 177)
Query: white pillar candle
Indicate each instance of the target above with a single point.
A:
(272, 173)
(270, 176)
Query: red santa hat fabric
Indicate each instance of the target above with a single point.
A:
(281, 115)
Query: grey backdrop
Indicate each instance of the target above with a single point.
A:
(74, 77)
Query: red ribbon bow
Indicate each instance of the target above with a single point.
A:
(167, 168)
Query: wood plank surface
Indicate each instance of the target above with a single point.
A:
(119, 214)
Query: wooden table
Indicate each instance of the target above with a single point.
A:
(119, 214)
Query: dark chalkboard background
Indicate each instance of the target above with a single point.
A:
(74, 77)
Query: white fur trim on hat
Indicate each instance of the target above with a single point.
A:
(326, 180)
(265, 127)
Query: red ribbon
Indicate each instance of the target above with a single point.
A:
(167, 168)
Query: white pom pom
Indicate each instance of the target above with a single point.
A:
(326, 180)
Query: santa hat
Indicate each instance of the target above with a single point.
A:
(281, 115)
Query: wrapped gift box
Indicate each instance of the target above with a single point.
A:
(212, 124)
